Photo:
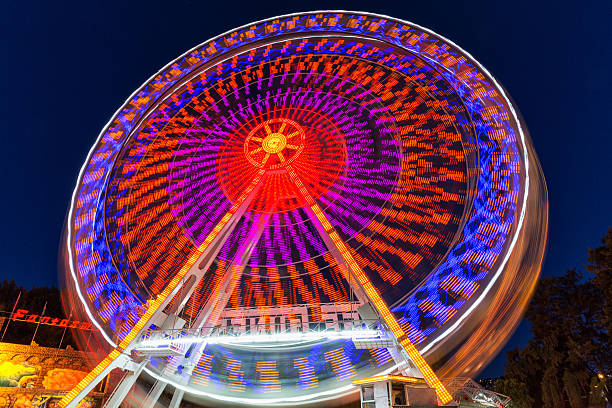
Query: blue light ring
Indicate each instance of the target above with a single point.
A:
(127, 127)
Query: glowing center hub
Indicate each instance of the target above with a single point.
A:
(274, 143)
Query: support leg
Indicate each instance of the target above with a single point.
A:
(156, 306)
(176, 398)
(124, 387)
(362, 282)
(154, 394)
(94, 381)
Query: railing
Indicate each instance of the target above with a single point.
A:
(467, 386)
(265, 332)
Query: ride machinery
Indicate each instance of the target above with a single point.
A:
(302, 202)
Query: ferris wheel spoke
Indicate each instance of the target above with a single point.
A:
(265, 159)
(292, 147)
(290, 135)
(259, 149)
(268, 130)
(282, 127)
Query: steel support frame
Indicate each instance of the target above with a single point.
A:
(197, 268)
(211, 311)
(362, 284)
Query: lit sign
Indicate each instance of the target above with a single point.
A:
(23, 315)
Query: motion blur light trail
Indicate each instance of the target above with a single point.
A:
(369, 153)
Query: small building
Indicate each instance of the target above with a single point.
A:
(395, 391)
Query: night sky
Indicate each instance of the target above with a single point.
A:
(67, 67)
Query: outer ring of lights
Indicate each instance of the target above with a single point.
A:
(449, 328)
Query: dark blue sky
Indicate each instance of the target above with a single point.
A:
(67, 66)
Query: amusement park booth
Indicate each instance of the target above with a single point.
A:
(395, 391)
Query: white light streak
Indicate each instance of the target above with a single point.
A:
(265, 338)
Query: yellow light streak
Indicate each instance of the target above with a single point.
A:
(155, 304)
(387, 377)
(373, 295)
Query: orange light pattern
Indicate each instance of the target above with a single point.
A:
(62, 379)
(307, 377)
(380, 357)
(340, 364)
(235, 375)
(387, 377)
(201, 374)
(267, 376)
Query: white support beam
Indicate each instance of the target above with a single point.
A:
(125, 385)
(176, 398)
(155, 314)
(154, 393)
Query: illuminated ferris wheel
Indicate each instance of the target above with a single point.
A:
(303, 202)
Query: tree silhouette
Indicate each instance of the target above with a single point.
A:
(568, 361)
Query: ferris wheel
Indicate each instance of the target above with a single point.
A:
(302, 202)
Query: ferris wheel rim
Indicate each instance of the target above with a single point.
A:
(498, 87)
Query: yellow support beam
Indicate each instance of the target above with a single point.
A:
(160, 300)
(430, 377)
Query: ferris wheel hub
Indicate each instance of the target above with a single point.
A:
(269, 146)
(274, 143)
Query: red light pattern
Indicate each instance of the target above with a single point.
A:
(411, 240)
